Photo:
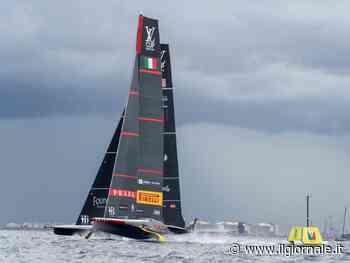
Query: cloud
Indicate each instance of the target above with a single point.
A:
(262, 53)
(233, 173)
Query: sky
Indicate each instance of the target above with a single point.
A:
(261, 97)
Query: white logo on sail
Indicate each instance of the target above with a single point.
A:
(84, 219)
(164, 102)
(111, 210)
(162, 60)
(99, 202)
(166, 188)
(150, 41)
(165, 157)
(146, 182)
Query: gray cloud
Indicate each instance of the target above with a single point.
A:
(79, 58)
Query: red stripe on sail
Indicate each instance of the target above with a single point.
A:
(121, 193)
(134, 93)
(131, 134)
(139, 35)
(154, 63)
(154, 72)
(150, 119)
(150, 171)
(125, 175)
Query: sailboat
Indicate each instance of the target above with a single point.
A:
(144, 196)
(139, 196)
(344, 236)
(95, 202)
(308, 235)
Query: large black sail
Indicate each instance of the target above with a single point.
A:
(150, 170)
(135, 190)
(172, 203)
(96, 200)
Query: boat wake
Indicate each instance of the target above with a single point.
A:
(201, 238)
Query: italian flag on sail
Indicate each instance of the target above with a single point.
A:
(150, 63)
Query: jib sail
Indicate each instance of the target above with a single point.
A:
(95, 203)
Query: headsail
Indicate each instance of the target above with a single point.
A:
(171, 185)
(136, 185)
(95, 202)
(94, 205)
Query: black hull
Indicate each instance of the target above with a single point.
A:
(67, 231)
(124, 230)
(178, 231)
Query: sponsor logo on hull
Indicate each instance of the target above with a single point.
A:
(149, 198)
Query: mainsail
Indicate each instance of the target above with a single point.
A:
(136, 185)
(95, 203)
(171, 186)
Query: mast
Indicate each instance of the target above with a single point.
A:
(344, 220)
(307, 210)
(96, 199)
(172, 200)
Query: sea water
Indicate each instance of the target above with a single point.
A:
(43, 246)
